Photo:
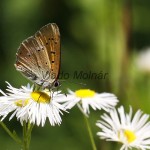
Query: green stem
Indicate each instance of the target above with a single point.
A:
(25, 140)
(27, 129)
(13, 135)
(30, 127)
(90, 133)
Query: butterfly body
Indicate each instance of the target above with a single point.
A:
(38, 57)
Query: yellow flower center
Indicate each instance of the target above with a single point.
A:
(40, 97)
(85, 93)
(22, 103)
(130, 135)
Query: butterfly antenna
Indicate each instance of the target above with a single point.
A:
(83, 84)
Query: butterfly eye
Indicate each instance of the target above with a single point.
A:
(56, 83)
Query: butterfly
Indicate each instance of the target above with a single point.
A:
(38, 57)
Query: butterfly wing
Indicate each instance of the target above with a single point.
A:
(51, 40)
(38, 57)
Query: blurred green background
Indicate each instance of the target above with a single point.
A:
(96, 35)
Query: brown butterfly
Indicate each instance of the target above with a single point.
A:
(38, 57)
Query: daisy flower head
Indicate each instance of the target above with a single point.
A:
(85, 98)
(131, 131)
(29, 105)
(143, 61)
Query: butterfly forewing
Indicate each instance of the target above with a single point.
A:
(38, 57)
(51, 42)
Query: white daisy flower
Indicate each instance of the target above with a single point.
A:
(32, 106)
(86, 97)
(131, 131)
(143, 61)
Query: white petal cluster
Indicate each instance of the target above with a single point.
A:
(22, 104)
(131, 131)
(89, 99)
